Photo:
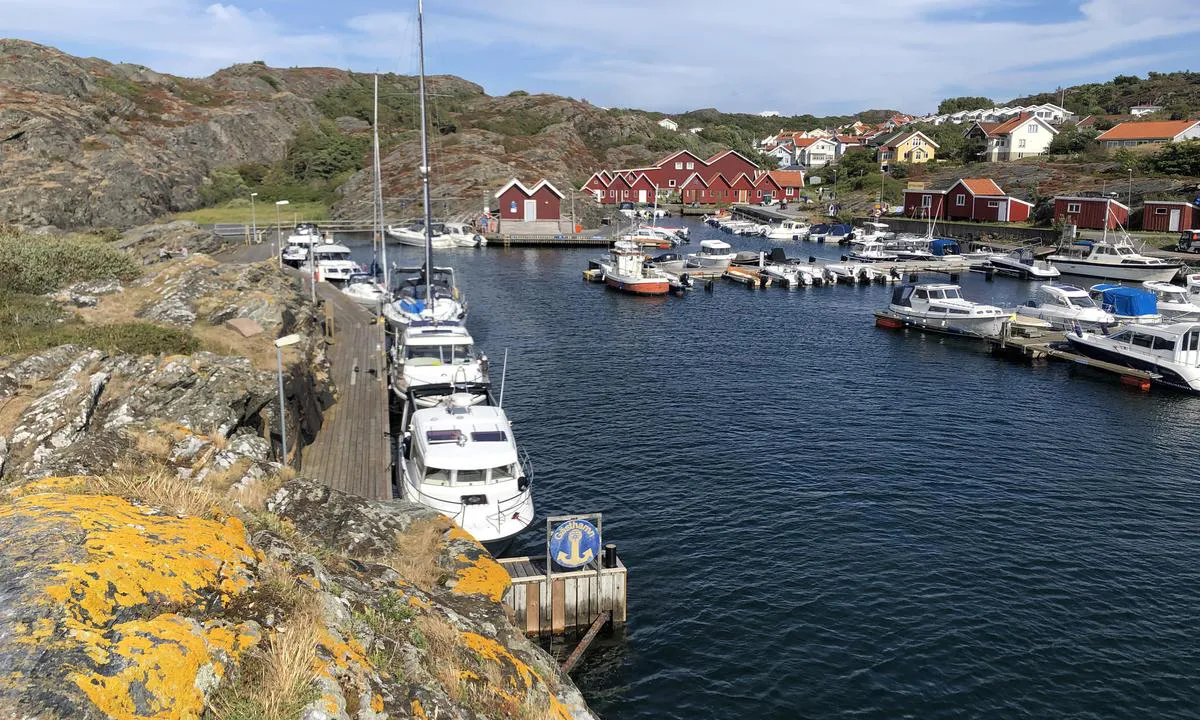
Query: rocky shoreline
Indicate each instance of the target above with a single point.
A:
(159, 562)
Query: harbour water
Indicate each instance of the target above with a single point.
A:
(825, 519)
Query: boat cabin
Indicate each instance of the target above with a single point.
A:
(1189, 241)
(1126, 302)
(1179, 342)
(1063, 296)
(941, 247)
(715, 247)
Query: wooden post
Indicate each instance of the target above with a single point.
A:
(558, 606)
(577, 654)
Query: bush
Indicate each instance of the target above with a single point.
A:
(221, 185)
(32, 323)
(1182, 158)
(45, 264)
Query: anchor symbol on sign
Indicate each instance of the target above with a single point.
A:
(575, 559)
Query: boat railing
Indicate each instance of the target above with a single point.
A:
(504, 508)
(450, 508)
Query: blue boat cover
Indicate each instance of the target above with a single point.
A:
(1126, 301)
(942, 247)
(840, 229)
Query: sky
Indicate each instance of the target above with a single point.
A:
(791, 56)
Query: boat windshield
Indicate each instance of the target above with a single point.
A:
(1082, 301)
(439, 354)
(952, 294)
(1122, 250)
(1178, 295)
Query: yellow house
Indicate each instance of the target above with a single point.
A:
(908, 146)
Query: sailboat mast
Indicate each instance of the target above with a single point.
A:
(377, 198)
(425, 157)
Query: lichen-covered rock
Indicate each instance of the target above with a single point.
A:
(108, 609)
(346, 523)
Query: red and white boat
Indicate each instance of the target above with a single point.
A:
(624, 271)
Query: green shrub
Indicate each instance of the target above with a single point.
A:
(221, 185)
(29, 323)
(39, 265)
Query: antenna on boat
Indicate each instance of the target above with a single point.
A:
(377, 199)
(503, 375)
(424, 169)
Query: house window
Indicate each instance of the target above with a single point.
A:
(993, 203)
(759, 193)
(691, 166)
(671, 183)
(1160, 211)
(1072, 208)
(916, 142)
(1021, 143)
(926, 201)
(624, 193)
(1033, 128)
(960, 200)
(919, 155)
(678, 166)
(612, 193)
(790, 191)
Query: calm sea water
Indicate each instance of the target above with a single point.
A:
(828, 520)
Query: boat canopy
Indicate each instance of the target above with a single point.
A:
(941, 247)
(902, 295)
(720, 245)
(1127, 301)
(819, 228)
(777, 256)
(840, 229)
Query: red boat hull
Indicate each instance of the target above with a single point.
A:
(650, 287)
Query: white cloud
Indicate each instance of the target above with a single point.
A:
(808, 56)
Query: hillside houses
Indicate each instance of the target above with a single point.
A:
(1049, 112)
(1025, 135)
(1130, 134)
(727, 177)
(907, 146)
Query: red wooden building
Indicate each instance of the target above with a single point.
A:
(765, 188)
(1092, 213)
(518, 203)
(790, 181)
(730, 163)
(921, 203)
(695, 190)
(982, 200)
(1169, 216)
(669, 174)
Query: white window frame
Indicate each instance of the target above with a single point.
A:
(1074, 208)
(1160, 211)
(993, 203)
(960, 200)
(1021, 143)
(1033, 127)
(691, 166)
(926, 201)
(678, 166)
(671, 182)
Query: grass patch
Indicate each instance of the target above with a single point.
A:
(416, 553)
(38, 265)
(239, 212)
(29, 324)
(160, 487)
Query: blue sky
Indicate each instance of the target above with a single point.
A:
(818, 56)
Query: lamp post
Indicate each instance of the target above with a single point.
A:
(279, 231)
(280, 344)
(1129, 197)
(253, 218)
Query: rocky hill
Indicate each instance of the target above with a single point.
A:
(88, 143)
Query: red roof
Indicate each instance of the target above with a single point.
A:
(981, 186)
(1163, 130)
(788, 178)
(1010, 124)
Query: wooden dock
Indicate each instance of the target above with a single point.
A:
(553, 604)
(1034, 345)
(563, 240)
(353, 452)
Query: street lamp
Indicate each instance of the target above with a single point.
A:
(280, 344)
(1129, 197)
(253, 218)
(279, 231)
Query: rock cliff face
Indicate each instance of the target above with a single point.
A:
(87, 143)
(159, 563)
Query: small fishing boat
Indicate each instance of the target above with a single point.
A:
(463, 235)
(624, 270)
(817, 232)
(874, 231)
(682, 232)
(789, 230)
(651, 237)
(1174, 303)
(942, 307)
(1021, 263)
(1063, 306)
(332, 262)
(1170, 352)
(1128, 304)
(714, 255)
(669, 262)
(910, 249)
(839, 233)
(870, 251)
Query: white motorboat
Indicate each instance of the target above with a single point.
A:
(870, 251)
(910, 249)
(942, 307)
(1174, 303)
(669, 262)
(874, 231)
(1193, 287)
(838, 233)
(1170, 352)
(332, 263)
(414, 235)
(1021, 263)
(1112, 260)
(788, 271)
(364, 290)
(789, 230)
(714, 255)
(461, 459)
(651, 237)
(682, 232)
(852, 272)
(442, 355)
(1065, 305)
(625, 270)
(463, 235)
(1128, 304)
(296, 245)
(421, 301)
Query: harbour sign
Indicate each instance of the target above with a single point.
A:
(575, 543)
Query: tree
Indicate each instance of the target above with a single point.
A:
(953, 105)
(857, 161)
(972, 149)
(1181, 158)
(1071, 140)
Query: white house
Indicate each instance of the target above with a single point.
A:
(1140, 110)
(1026, 135)
(816, 152)
(769, 113)
(784, 154)
(695, 130)
(668, 124)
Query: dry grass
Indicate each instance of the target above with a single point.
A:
(220, 340)
(153, 444)
(253, 495)
(277, 682)
(158, 487)
(416, 553)
(442, 641)
(12, 408)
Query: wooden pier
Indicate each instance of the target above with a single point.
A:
(353, 452)
(563, 240)
(553, 604)
(1031, 345)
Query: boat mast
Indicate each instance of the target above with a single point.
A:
(377, 196)
(424, 169)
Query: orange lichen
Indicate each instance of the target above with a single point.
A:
(490, 650)
(134, 556)
(44, 485)
(377, 702)
(457, 533)
(483, 576)
(166, 657)
(417, 710)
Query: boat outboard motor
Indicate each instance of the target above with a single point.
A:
(777, 255)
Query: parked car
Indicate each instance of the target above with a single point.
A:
(1189, 241)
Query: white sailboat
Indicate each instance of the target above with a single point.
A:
(363, 288)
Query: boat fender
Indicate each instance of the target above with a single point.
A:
(812, 259)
